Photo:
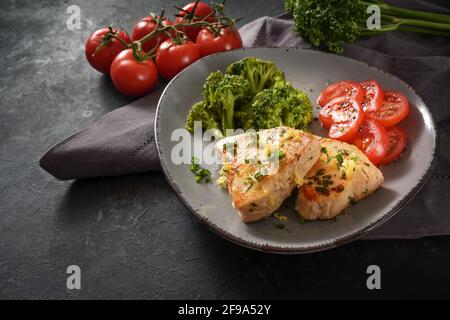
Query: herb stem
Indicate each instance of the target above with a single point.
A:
(408, 13)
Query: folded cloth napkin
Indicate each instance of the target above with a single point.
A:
(122, 141)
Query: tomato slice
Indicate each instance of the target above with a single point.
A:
(397, 143)
(394, 109)
(343, 117)
(373, 95)
(350, 89)
(373, 140)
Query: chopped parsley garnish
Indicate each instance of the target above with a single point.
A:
(276, 156)
(280, 226)
(200, 173)
(352, 200)
(338, 188)
(280, 217)
(322, 190)
(249, 183)
(320, 172)
(340, 159)
(324, 150)
(260, 174)
(194, 165)
(323, 182)
(339, 156)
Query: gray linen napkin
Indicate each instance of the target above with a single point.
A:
(122, 141)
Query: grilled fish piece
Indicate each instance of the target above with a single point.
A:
(263, 168)
(342, 176)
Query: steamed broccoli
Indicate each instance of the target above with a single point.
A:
(222, 95)
(200, 112)
(280, 105)
(244, 117)
(210, 86)
(252, 94)
(261, 74)
(231, 92)
(298, 109)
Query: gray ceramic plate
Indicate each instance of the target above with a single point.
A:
(310, 71)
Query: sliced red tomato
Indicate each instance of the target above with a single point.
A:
(350, 89)
(394, 109)
(373, 95)
(373, 140)
(343, 117)
(397, 143)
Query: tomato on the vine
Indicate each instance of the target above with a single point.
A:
(397, 143)
(131, 77)
(349, 89)
(147, 25)
(394, 109)
(187, 14)
(209, 42)
(373, 140)
(373, 95)
(172, 57)
(342, 117)
(102, 58)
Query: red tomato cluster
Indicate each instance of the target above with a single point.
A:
(366, 116)
(167, 53)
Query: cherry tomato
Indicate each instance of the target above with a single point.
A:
(343, 117)
(350, 89)
(102, 59)
(144, 27)
(131, 77)
(394, 109)
(227, 39)
(171, 57)
(373, 95)
(186, 15)
(372, 139)
(397, 143)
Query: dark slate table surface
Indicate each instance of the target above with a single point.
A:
(131, 236)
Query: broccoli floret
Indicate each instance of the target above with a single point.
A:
(280, 105)
(298, 109)
(231, 93)
(244, 117)
(266, 109)
(210, 86)
(200, 112)
(261, 74)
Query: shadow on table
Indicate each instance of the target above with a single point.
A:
(87, 197)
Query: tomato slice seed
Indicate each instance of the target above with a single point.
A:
(397, 143)
(394, 109)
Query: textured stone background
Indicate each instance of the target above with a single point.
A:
(131, 236)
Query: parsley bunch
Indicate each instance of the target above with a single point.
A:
(331, 23)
